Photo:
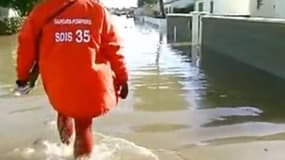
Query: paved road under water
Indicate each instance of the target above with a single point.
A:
(222, 110)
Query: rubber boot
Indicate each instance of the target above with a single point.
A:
(83, 144)
(65, 128)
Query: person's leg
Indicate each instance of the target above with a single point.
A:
(83, 139)
(65, 128)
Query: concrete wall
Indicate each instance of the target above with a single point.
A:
(280, 8)
(256, 42)
(267, 9)
(3, 13)
(179, 28)
(226, 7)
(270, 8)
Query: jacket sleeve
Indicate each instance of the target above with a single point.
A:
(111, 46)
(26, 52)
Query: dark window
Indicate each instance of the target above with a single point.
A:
(259, 4)
(212, 7)
(201, 7)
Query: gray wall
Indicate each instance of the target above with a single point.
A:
(183, 24)
(256, 43)
(4, 12)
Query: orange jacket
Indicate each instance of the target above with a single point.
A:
(80, 55)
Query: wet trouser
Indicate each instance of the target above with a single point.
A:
(83, 134)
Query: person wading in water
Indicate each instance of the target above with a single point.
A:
(77, 51)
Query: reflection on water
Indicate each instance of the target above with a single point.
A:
(174, 108)
(159, 127)
(233, 84)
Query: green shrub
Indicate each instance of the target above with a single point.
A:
(10, 25)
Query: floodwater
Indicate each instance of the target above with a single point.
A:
(222, 110)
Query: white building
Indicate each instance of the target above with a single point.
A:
(253, 8)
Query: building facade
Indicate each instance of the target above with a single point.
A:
(251, 8)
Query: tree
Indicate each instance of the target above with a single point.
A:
(23, 7)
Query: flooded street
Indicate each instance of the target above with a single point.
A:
(222, 110)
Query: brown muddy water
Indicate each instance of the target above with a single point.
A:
(222, 110)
